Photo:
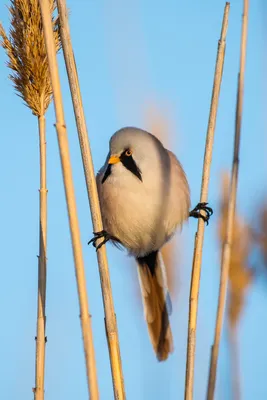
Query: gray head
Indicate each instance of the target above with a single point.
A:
(138, 151)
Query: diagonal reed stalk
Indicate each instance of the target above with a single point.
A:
(226, 251)
(199, 238)
(110, 317)
(26, 51)
(71, 203)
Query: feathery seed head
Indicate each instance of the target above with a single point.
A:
(26, 51)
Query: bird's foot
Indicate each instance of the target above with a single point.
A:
(98, 235)
(195, 213)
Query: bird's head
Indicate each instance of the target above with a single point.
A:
(133, 151)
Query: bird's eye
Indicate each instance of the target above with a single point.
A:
(128, 152)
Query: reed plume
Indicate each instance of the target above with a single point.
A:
(263, 234)
(260, 233)
(27, 59)
(240, 276)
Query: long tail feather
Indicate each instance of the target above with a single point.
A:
(156, 302)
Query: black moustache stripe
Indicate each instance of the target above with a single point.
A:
(130, 164)
(107, 173)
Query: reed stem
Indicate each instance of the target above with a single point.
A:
(41, 318)
(110, 317)
(226, 251)
(199, 238)
(71, 203)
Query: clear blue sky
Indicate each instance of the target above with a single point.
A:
(130, 54)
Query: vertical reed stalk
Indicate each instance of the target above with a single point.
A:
(226, 252)
(41, 318)
(110, 317)
(199, 238)
(71, 203)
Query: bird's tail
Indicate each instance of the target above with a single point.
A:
(156, 302)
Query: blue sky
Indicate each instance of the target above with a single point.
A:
(130, 55)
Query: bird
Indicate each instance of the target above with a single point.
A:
(144, 199)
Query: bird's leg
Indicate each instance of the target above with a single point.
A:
(98, 235)
(195, 213)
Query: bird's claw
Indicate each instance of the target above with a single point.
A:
(98, 235)
(195, 213)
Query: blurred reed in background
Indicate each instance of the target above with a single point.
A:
(157, 122)
(240, 277)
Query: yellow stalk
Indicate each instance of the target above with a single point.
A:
(226, 251)
(41, 318)
(199, 238)
(110, 317)
(71, 203)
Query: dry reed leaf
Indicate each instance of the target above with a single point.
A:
(240, 275)
(25, 48)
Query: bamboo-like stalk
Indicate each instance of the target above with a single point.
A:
(41, 318)
(226, 252)
(199, 238)
(110, 317)
(71, 203)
